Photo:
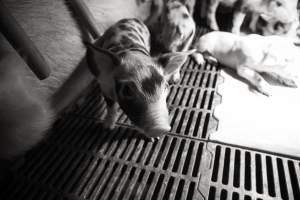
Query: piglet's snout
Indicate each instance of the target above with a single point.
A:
(159, 131)
(159, 117)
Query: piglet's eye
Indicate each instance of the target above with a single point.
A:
(185, 16)
(278, 4)
(127, 91)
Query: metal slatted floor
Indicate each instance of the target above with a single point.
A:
(82, 161)
(238, 173)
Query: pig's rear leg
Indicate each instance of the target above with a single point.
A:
(254, 78)
(111, 115)
(253, 22)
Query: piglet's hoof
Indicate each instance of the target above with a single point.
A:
(175, 78)
(262, 91)
(154, 139)
(198, 58)
(211, 60)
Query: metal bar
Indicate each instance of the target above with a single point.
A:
(17, 37)
(86, 16)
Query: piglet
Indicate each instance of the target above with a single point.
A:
(279, 9)
(172, 28)
(129, 77)
(255, 58)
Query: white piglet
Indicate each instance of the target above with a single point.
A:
(255, 58)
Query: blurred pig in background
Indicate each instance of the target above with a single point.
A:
(267, 25)
(276, 9)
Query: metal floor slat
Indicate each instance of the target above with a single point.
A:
(81, 161)
(238, 173)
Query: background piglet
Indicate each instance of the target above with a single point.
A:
(172, 29)
(277, 9)
(255, 58)
(267, 25)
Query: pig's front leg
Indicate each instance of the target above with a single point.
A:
(198, 58)
(254, 78)
(238, 19)
(210, 58)
(175, 78)
(211, 14)
(111, 115)
(253, 22)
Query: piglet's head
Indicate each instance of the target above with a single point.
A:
(281, 10)
(138, 83)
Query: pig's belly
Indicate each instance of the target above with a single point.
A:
(247, 51)
(230, 59)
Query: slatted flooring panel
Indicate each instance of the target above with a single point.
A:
(81, 160)
(237, 173)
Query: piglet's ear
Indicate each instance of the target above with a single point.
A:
(100, 60)
(173, 61)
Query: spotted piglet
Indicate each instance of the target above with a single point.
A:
(130, 77)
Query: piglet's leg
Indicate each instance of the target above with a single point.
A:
(156, 10)
(111, 116)
(253, 22)
(210, 58)
(198, 58)
(238, 19)
(175, 78)
(253, 78)
(211, 14)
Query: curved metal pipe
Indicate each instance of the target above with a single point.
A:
(17, 37)
(86, 16)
